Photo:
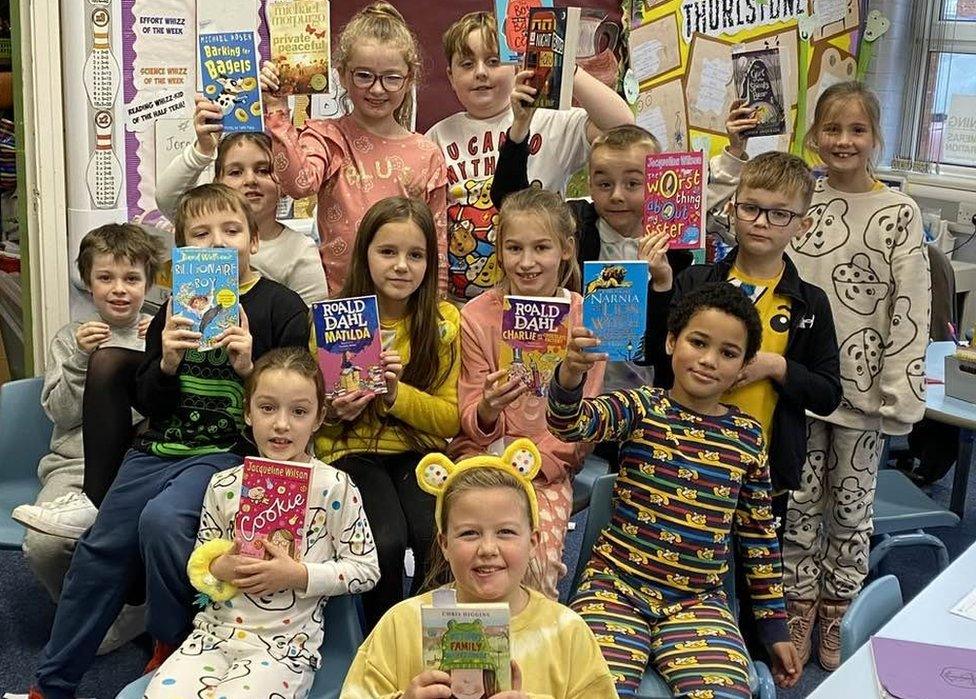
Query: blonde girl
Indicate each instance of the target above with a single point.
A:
(866, 251)
(537, 256)
(354, 161)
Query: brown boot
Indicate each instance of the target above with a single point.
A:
(800, 617)
(831, 614)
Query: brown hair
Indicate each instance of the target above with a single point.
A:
(455, 39)
(779, 172)
(836, 96)
(123, 241)
(558, 217)
(623, 137)
(296, 359)
(207, 199)
(258, 138)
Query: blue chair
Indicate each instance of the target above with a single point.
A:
(343, 635)
(593, 468)
(25, 436)
(875, 605)
(652, 685)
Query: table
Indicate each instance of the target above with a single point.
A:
(965, 276)
(925, 619)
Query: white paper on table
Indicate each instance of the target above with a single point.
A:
(715, 77)
(966, 606)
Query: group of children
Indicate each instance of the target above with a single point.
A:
(718, 461)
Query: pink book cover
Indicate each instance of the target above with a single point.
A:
(674, 198)
(347, 334)
(274, 502)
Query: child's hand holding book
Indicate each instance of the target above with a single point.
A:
(499, 392)
(280, 572)
(176, 340)
(208, 124)
(572, 370)
(742, 117)
(237, 341)
(523, 94)
(270, 84)
(653, 249)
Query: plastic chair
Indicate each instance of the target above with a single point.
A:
(875, 605)
(343, 634)
(25, 436)
(593, 468)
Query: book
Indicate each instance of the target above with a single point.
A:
(273, 506)
(911, 670)
(229, 78)
(299, 32)
(550, 52)
(674, 198)
(615, 307)
(758, 80)
(206, 290)
(347, 334)
(535, 332)
(512, 20)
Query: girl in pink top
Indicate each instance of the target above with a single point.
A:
(354, 161)
(537, 256)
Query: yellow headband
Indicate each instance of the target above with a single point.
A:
(521, 459)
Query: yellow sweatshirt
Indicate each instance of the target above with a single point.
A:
(554, 648)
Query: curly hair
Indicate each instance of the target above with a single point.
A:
(724, 297)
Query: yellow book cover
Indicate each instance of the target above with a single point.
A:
(300, 44)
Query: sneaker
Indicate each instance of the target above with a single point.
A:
(68, 516)
(161, 651)
(831, 613)
(130, 623)
(800, 617)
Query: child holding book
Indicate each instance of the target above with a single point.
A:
(536, 251)
(356, 160)
(487, 529)
(692, 472)
(192, 400)
(866, 245)
(260, 628)
(379, 438)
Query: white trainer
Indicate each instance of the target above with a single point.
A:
(68, 516)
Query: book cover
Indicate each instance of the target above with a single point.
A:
(535, 332)
(674, 198)
(205, 290)
(471, 643)
(758, 79)
(347, 334)
(274, 503)
(512, 20)
(300, 48)
(910, 670)
(229, 78)
(615, 306)
(550, 52)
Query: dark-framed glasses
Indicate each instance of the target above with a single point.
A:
(775, 217)
(365, 79)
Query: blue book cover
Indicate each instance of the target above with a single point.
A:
(229, 67)
(615, 306)
(205, 290)
(349, 342)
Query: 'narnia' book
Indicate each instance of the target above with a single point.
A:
(229, 78)
(615, 307)
(674, 198)
(759, 83)
(535, 332)
(205, 290)
(471, 643)
(550, 52)
(347, 334)
(274, 503)
(300, 45)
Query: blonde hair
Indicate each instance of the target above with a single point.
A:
(837, 96)
(778, 172)
(123, 241)
(455, 39)
(558, 217)
(623, 137)
(383, 24)
(207, 199)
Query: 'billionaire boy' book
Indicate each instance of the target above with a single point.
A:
(347, 334)
(471, 643)
(205, 290)
(535, 332)
(615, 306)
(229, 78)
(273, 506)
(759, 82)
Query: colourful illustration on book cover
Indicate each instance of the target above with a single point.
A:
(299, 32)
(758, 81)
(205, 290)
(674, 198)
(347, 333)
(229, 76)
(535, 332)
(615, 307)
(273, 507)
(512, 18)
(546, 54)
(471, 643)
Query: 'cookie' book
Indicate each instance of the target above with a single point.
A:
(299, 31)
(229, 78)
(550, 52)
(758, 79)
(674, 198)
(347, 334)
(535, 332)
(206, 290)
(615, 307)
(512, 21)
(273, 507)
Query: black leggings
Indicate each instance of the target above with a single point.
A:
(400, 514)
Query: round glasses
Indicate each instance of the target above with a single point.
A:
(775, 217)
(365, 79)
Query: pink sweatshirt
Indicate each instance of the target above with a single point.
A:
(481, 335)
(350, 169)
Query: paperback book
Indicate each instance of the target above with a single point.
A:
(674, 198)
(615, 307)
(273, 506)
(535, 332)
(347, 335)
(911, 670)
(471, 643)
(512, 21)
(550, 52)
(206, 290)
(299, 31)
(229, 78)
(758, 80)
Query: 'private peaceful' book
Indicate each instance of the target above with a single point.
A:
(674, 198)
(273, 506)
(205, 290)
(347, 334)
(550, 52)
(299, 31)
(229, 78)
(535, 332)
(615, 306)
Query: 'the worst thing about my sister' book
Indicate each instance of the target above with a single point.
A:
(273, 507)
(615, 307)
(229, 78)
(205, 290)
(535, 332)
(674, 198)
(347, 334)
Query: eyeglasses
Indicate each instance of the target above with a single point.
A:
(365, 79)
(775, 217)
